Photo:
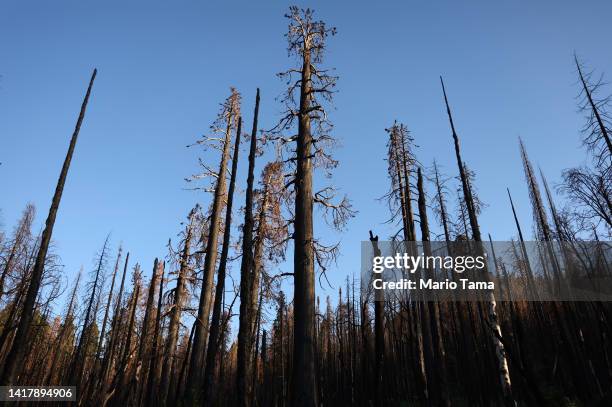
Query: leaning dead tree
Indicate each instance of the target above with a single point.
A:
(597, 129)
(310, 87)
(589, 187)
(15, 357)
(493, 321)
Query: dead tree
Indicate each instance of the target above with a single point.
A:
(109, 351)
(20, 239)
(225, 124)
(61, 336)
(80, 356)
(597, 128)
(379, 334)
(493, 322)
(244, 342)
(176, 309)
(440, 390)
(14, 361)
(154, 361)
(215, 324)
(309, 86)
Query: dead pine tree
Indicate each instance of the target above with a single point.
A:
(309, 86)
(80, 355)
(176, 309)
(596, 131)
(120, 389)
(149, 390)
(440, 396)
(13, 363)
(223, 127)
(215, 323)
(18, 244)
(110, 348)
(244, 341)
(148, 324)
(379, 334)
(51, 373)
(493, 322)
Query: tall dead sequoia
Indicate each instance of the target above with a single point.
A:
(493, 322)
(14, 361)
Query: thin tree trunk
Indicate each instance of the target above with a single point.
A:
(109, 353)
(51, 372)
(78, 363)
(246, 265)
(504, 373)
(379, 335)
(16, 355)
(215, 324)
(440, 390)
(175, 315)
(200, 336)
(153, 364)
(600, 122)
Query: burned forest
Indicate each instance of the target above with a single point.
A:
(245, 306)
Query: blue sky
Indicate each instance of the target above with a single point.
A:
(164, 67)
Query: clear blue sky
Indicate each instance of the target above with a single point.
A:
(163, 69)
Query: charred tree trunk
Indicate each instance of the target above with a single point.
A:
(68, 320)
(215, 324)
(504, 373)
(109, 352)
(175, 315)
(246, 266)
(379, 335)
(153, 362)
(595, 110)
(15, 357)
(304, 393)
(439, 391)
(200, 335)
(78, 363)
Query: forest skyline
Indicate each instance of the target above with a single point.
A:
(251, 301)
(131, 159)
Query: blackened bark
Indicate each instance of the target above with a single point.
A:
(175, 315)
(493, 321)
(215, 324)
(379, 334)
(15, 357)
(200, 336)
(304, 393)
(153, 363)
(246, 264)
(78, 363)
